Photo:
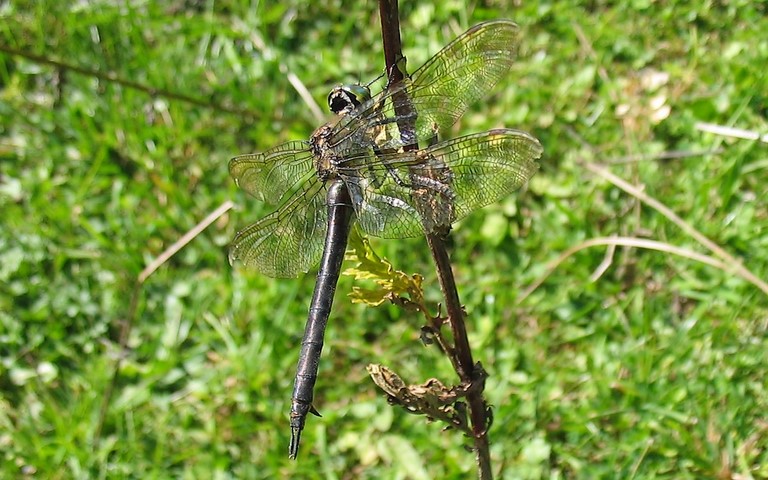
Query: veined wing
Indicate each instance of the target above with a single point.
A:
(486, 167)
(381, 199)
(440, 91)
(406, 193)
(269, 175)
(288, 241)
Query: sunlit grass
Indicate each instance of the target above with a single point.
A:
(640, 364)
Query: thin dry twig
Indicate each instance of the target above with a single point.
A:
(305, 95)
(605, 264)
(112, 77)
(731, 132)
(668, 155)
(130, 317)
(258, 42)
(624, 242)
(732, 263)
(185, 239)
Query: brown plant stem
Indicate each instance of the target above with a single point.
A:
(460, 354)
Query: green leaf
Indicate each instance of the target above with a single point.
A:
(392, 285)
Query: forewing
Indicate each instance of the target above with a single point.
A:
(404, 194)
(289, 241)
(441, 90)
(268, 176)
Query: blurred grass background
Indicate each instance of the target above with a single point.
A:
(651, 366)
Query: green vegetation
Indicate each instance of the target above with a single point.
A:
(651, 366)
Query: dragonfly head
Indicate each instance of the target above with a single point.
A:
(345, 98)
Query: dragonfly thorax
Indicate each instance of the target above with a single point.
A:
(342, 100)
(325, 158)
(345, 98)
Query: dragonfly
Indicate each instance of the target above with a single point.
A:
(377, 165)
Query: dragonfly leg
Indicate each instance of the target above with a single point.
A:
(399, 64)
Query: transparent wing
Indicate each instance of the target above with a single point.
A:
(269, 175)
(439, 92)
(486, 167)
(381, 204)
(288, 241)
(403, 194)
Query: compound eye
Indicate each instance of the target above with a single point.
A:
(340, 101)
(346, 98)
